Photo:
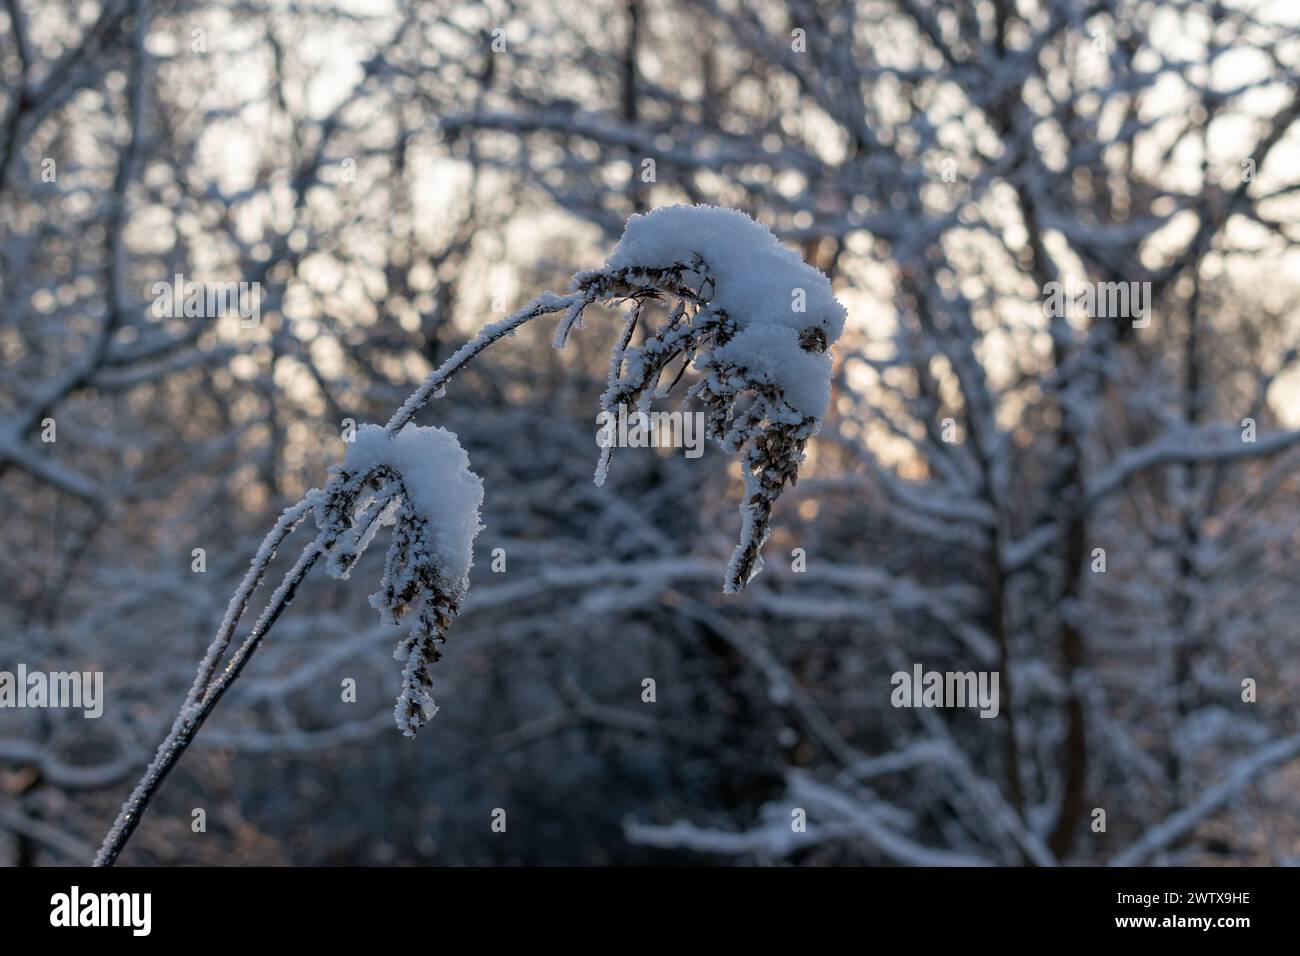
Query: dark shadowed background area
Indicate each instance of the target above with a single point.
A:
(1101, 505)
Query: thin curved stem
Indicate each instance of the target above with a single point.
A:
(192, 716)
(286, 524)
(437, 380)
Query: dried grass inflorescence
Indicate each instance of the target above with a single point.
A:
(413, 589)
(746, 413)
(417, 482)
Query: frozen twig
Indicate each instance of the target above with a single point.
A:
(760, 357)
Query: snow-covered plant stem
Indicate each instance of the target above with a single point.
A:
(765, 386)
(209, 684)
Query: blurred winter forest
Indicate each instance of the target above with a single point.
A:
(1104, 511)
